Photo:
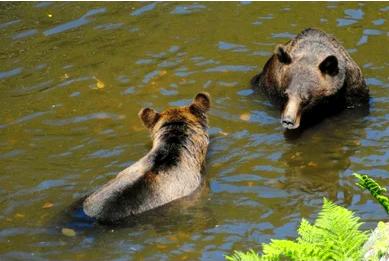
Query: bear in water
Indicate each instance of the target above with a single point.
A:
(311, 75)
(169, 171)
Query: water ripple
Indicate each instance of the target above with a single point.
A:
(161, 54)
(24, 119)
(231, 46)
(75, 23)
(187, 9)
(24, 34)
(11, 154)
(144, 9)
(284, 35)
(109, 26)
(231, 68)
(354, 13)
(10, 73)
(79, 119)
(6, 24)
(107, 153)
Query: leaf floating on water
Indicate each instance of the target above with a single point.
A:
(173, 238)
(99, 84)
(223, 133)
(295, 155)
(64, 77)
(312, 164)
(160, 246)
(245, 116)
(18, 215)
(68, 232)
(250, 183)
(216, 165)
(48, 205)
(162, 73)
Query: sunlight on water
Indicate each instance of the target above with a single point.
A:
(73, 77)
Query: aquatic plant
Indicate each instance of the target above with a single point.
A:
(365, 182)
(335, 235)
(251, 255)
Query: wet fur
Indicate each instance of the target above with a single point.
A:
(343, 88)
(169, 171)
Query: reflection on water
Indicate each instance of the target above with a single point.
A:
(316, 167)
(73, 77)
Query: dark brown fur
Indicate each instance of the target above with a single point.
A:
(309, 71)
(170, 170)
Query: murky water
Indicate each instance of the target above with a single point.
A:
(74, 75)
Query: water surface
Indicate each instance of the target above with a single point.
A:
(73, 77)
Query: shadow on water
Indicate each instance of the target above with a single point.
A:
(329, 107)
(188, 214)
(315, 117)
(320, 151)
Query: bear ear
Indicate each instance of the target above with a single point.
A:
(282, 55)
(329, 65)
(149, 117)
(202, 102)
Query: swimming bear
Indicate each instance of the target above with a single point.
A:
(169, 171)
(311, 75)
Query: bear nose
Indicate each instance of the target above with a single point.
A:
(288, 123)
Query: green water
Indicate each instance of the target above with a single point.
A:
(73, 77)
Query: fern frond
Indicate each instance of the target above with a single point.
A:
(365, 182)
(340, 229)
(289, 250)
(335, 235)
(309, 233)
(251, 255)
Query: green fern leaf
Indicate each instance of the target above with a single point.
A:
(335, 235)
(289, 250)
(365, 182)
(340, 228)
(241, 256)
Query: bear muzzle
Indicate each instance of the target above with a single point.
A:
(290, 118)
(289, 123)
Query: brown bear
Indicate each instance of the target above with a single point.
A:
(312, 72)
(169, 171)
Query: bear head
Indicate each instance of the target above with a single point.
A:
(194, 115)
(307, 78)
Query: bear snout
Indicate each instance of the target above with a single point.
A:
(291, 115)
(289, 123)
